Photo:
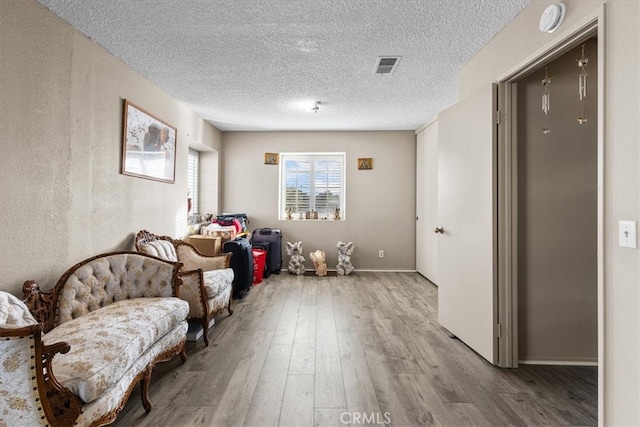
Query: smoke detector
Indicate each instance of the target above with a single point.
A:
(552, 17)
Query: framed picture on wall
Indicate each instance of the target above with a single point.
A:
(148, 145)
(271, 158)
(365, 163)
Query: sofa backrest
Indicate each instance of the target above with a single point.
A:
(160, 248)
(104, 279)
(13, 312)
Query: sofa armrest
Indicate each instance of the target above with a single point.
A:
(192, 259)
(28, 355)
(192, 291)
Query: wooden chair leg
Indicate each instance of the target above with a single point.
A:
(144, 389)
(183, 355)
(229, 308)
(205, 331)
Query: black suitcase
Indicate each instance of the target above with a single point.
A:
(274, 236)
(265, 246)
(241, 264)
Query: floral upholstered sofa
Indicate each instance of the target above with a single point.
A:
(206, 280)
(72, 356)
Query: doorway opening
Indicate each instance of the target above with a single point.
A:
(549, 181)
(557, 200)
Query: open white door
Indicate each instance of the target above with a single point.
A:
(466, 206)
(427, 202)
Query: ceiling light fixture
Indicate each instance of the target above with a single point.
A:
(316, 107)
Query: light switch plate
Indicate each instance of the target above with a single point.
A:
(628, 234)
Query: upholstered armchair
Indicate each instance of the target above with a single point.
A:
(26, 388)
(206, 280)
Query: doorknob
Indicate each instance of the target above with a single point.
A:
(438, 230)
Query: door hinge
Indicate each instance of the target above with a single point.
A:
(498, 117)
(499, 330)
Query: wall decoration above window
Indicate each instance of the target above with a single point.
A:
(271, 158)
(365, 163)
(148, 145)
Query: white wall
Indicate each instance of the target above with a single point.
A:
(380, 210)
(62, 196)
(521, 39)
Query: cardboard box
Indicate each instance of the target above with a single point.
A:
(206, 245)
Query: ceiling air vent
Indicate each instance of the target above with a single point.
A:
(387, 64)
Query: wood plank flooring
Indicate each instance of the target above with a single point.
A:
(365, 349)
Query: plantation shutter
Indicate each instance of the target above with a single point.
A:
(311, 182)
(327, 184)
(297, 178)
(193, 167)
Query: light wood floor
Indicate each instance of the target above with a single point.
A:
(367, 348)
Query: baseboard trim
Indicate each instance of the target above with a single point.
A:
(559, 362)
(364, 270)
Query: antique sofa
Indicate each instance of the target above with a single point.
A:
(206, 280)
(72, 355)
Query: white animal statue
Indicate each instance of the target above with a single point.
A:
(344, 266)
(296, 263)
(319, 261)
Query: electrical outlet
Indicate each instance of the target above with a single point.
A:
(381, 253)
(628, 234)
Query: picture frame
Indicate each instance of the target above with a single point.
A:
(365, 163)
(271, 158)
(148, 145)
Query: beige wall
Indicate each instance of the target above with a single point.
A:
(62, 196)
(380, 210)
(557, 216)
(521, 39)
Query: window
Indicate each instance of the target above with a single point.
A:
(312, 185)
(193, 174)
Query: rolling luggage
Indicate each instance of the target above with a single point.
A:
(265, 246)
(241, 264)
(274, 236)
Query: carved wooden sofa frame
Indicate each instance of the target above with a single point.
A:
(61, 406)
(195, 274)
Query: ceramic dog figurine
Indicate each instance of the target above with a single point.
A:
(344, 266)
(319, 261)
(296, 263)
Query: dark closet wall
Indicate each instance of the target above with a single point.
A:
(557, 208)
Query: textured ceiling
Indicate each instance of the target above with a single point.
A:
(261, 64)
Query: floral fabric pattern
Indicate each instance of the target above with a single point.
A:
(217, 281)
(111, 399)
(113, 278)
(19, 401)
(220, 287)
(220, 302)
(105, 343)
(190, 292)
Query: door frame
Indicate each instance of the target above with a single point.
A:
(591, 25)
